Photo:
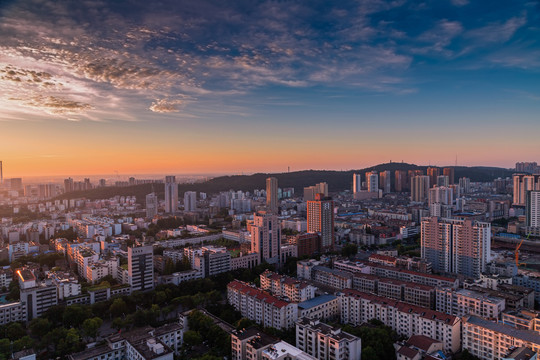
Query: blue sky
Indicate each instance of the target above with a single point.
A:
(243, 74)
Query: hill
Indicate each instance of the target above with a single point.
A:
(337, 181)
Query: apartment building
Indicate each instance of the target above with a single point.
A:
(522, 319)
(285, 286)
(331, 277)
(407, 320)
(322, 307)
(146, 343)
(12, 312)
(468, 302)
(325, 342)
(261, 307)
(378, 270)
(489, 340)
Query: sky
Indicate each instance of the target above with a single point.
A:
(191, 87)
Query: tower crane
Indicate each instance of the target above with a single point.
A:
(516, 252)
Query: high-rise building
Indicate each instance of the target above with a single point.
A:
(372, 181)
(385, 181)
(433, 173)
(456, 246)
(321, 188)
(527, 167)
(68, 185)
(190, 201)
(419, 188)
(16, 184)
(141, 267)
(465, 185)
(320, 219)
(151, 205)
(272, 194)
(311, 191)
(401, 181)
(533, 209)
(171, 195)
(266, 236)
(357, 183)
(442, 180)
(522, 184)
(449, 171)
(441, 195)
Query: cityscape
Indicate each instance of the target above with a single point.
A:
(269, 180)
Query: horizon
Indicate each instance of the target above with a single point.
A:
(198, 176)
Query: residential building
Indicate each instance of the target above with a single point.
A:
(385, 181)
(284, 286)
(324, 307)
(12, 312)
(469, 302)
(190, 201)
(325, 342)
(401, 181)
(261, 307)
(489, 340)
(320, 217)
(331, 277)
(419, 188)
(272, 194)
(450, 172)
(285, 351)
(456, 246)
(533, 209)
(522, 184)
(151, 205)
(141, 268)
(266, 237)
(372, 182)
(433, 173)
(357, 183)
(407, 320)
(171, 195)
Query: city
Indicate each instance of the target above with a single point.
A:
(269, 180)
(409, 263)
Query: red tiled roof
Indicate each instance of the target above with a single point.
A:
(403, 307)
(407, 352)
(421, 342)
(257, 293)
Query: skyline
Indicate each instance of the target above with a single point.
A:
(224, 88)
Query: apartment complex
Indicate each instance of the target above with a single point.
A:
(141, 268)
(284, 286)
(261, 307)
(468, 302)
(407, 320)
(266, 237)
(325, 342)
(456, 246)
(320, 219)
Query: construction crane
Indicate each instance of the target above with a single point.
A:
(516, 252)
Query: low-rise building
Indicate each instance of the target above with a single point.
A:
(333, 278)
(469, 302)
(322, 307)
(285, 286)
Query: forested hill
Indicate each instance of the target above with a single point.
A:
(337, 181)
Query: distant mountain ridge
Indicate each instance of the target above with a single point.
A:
(337, 181)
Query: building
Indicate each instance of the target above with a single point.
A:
(331, 277)
(324, 307)
(285, 351)
(284, 286)
(450, 172)
(407, 320)
(385, 181)
(456, 246)
(141, 268)
(190, 201)
(433, 173)
(250, 343)
(464, 302)
(489, 340)
(261, 307)
(320, 218)
(266, 237)
(401, 182)
(357, 183)
(171, 195)
(272, 194)
(533, 209)
(419, 188)
(151, 205)
(146, 343)
(36, 297)
(465, 185)
(522, 184)
(307, 244)
(12, 312)
(372, 182)
(325, 342)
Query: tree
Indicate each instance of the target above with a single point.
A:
(349, 250)
(118, 307)
(192, 338)
(75, 315)
(40, 327)
(15, 331)
(91, 327)
(169, 267)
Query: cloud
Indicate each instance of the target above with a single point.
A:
(497, 32)
(167, 105)
(55, 105)
(460, 3)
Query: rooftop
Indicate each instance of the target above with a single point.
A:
(282, 349)
(333, 332)
(527, 335)
(319, 300)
